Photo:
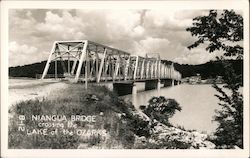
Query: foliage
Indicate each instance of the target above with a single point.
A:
(221, 32)
(74, 100)
(31, 70)
(19, 139)
(230, 117)
(161, 109)
(142, 126)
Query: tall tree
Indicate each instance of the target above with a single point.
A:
(224, 31)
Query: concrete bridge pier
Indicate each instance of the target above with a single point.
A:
(123, 88)
(166, 82)
(134, 89)
(159, 84)
(129, 87)
(178, 82)
(151, 84)
(173, 82)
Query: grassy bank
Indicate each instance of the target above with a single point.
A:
(120, 124)
(112, 115)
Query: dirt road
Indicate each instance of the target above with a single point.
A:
(25, 89)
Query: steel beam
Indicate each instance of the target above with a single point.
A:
(136, 66)
(49, 60)
(83, 56)
(101, 66)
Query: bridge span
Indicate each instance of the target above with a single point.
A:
(87, 61)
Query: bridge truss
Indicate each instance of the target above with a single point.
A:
(90, 61)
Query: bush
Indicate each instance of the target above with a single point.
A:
(230, 117)
(140, 127)
(161, 109)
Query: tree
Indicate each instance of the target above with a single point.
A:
(224, 32)
(161, 109)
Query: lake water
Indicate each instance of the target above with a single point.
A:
(197, 101)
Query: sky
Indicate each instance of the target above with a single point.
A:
(33, 31)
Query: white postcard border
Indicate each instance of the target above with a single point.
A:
(6, 5)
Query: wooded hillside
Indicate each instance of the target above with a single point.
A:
(208, 70)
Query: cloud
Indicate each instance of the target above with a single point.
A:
(20, 54)
(197, 56)
(136, 31)
(15, 47)
(151, 45)
(63, 27)
(189, 14)
(165, 19)
(110, 26)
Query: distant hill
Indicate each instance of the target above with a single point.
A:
(208, 70)
(32, 69)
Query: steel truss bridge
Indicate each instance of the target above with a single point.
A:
(92, 62)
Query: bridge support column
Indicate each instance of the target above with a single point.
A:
(123, 88)
(166, 82)
(176, 82)
(134, 89)
(151, 84)
(173, 82)
(159, 85)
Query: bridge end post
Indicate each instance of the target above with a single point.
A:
(83, 56)
(49, 60)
